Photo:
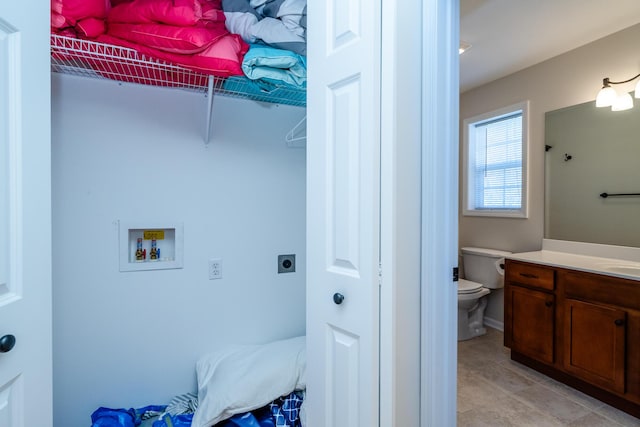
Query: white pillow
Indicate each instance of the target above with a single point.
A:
(239, 379)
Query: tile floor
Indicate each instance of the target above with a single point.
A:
(494, 391)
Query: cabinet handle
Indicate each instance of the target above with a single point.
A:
(529, 275)
(619, 322)
(548, 303)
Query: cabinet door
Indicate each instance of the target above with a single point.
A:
(530, 322)
(594, 348)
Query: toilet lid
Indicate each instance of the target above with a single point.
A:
(468, 287)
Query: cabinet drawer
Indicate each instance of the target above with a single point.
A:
(601, 289)
(531, 275)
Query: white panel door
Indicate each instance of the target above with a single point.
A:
(25, 216)
(343, 212)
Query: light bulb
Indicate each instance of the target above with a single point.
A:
(464, 46)
(606, 97)
(623, 102)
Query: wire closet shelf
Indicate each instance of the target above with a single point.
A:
(93, 59)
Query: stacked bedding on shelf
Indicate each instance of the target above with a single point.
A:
(278, 23)
(189, 33)
(277, 33)
(210, 37)
(81, 18)
(238, 386)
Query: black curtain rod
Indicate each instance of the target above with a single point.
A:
(605, 195)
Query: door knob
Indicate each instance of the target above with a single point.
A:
(619, 322)
(338, 298)
(6, 343)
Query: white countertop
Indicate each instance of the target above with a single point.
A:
(592, 264)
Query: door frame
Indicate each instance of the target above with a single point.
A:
(400, 165)
(440, 163)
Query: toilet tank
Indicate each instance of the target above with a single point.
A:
(485, 266)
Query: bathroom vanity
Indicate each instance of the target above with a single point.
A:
(576, 318)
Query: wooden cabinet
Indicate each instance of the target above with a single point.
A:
(580, 328)
(530, 310)
(530, 275)
(594, 343)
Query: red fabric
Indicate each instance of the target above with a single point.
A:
(182, 40)
(223, 58)
(190, 33)
(170, 12)
(57, 20)
(67, 32)
(200, 42)
(75, 10)
(104, 58)
(212, 10)
(90, 27)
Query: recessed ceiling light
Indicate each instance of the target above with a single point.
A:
(464, 46)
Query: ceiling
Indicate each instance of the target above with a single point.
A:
(509, 35)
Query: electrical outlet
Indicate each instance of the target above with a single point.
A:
(286, 263)
(215, 268)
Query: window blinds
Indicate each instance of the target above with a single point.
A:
(498, 163)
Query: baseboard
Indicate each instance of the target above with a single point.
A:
(495, 324)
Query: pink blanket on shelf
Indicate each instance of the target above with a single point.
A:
(189, 33)
(223, 58)
(69, 12)
(84, 18)
(185, 13)
(168, 38)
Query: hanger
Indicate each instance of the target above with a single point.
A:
(297, 136)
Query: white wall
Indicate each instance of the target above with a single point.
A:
(568, 79)
(133, 153)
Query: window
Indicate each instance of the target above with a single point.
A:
(495, 163)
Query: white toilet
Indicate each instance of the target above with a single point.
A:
(483, 270)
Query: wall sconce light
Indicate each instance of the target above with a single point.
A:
(464, 46)
(608, 97)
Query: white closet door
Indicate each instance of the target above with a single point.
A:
(343, 212)
(25, 215)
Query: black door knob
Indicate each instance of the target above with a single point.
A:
(338, 298)
(6, 343)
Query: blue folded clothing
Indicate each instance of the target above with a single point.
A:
(276, 66)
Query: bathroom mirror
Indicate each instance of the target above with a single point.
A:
(590, 151)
